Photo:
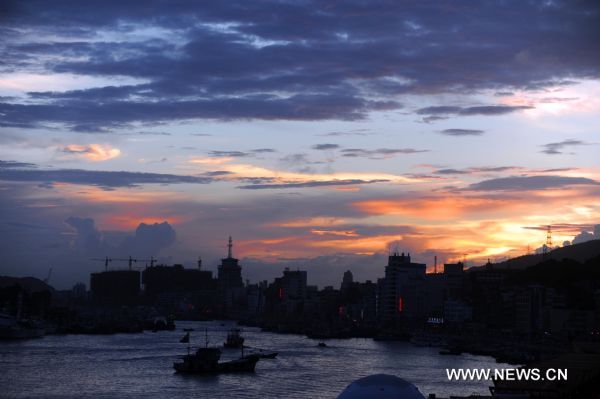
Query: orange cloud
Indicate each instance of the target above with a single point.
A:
(345, 233)
(91, 152)
(433, 208)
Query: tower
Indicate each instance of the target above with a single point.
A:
(229, 248)
(548, 246)
(229, 278)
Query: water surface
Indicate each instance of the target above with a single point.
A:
(140, 366)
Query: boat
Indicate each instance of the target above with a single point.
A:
(14, 328)
(234, 339)
(159, 323)
(206, 361)
(265, 355)
(268, 355)
(322, 345)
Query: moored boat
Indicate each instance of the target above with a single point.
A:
(13, 328)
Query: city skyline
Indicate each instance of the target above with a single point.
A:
(314, 134)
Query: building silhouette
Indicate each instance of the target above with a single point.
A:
(401, 291)
(115, 287)
(229, 280)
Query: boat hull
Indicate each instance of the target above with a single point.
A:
(243, 365)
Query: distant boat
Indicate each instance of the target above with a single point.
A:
(206, 361)
(159, 323)
(13, 328)
(234, 339)
(451, 351)
(322, 345)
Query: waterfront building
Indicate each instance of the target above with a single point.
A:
(229, 280)
(401, 291)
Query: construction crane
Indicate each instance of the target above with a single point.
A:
(106, 261)
(129, 260)
(152, 261)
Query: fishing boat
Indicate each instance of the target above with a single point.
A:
(234, 339)
(206, 360)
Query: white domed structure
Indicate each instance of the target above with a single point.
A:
(381, 386)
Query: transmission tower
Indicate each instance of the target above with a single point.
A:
(548, 246)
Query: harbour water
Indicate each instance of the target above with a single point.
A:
(140, 366)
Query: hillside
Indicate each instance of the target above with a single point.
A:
(579, 252)
(30, 284)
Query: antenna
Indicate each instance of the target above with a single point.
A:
(229, 247)
(435, 264)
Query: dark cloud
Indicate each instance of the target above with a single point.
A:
(217, 173)
(326, 183)
(443, 111)
(15, 164)
(563, 227)
(381, 153)
(525, 183)
(462, 132)
(241, 154)
(354, 132)
(233, 154)
(226, 60)
(86, 115)
(105, 179)
(263, 150)
(557, 148)
(325, 146)
(482, 169)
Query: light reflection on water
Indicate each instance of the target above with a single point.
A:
(140, 365)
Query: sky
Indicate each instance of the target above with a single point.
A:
(320, 135)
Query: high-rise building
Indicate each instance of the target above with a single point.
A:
(401, 294)
(347, 281)
(293, 284)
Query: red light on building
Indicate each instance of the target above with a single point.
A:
(341, 311)
(281, 293)
(400, 304)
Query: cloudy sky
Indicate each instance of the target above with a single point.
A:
(317, 134)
